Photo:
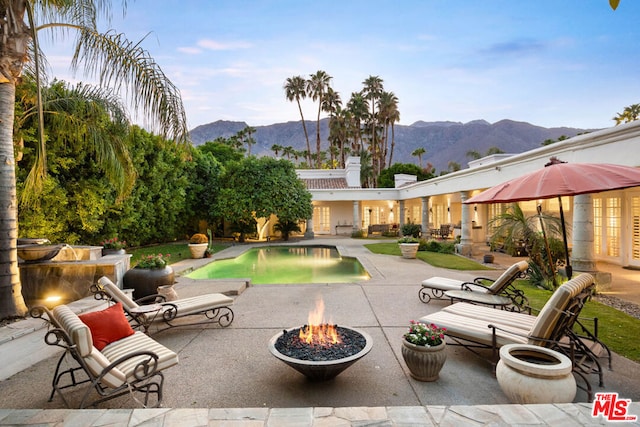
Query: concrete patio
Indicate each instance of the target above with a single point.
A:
(228, 377)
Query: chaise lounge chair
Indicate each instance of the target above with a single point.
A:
(435, 287)
(477, 327)
(213, 307)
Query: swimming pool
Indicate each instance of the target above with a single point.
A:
(286, 265)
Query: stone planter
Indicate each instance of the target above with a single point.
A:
(108, 251)
(409, 250)
(146, 281)
(198, 249)
(530, 374)
(424, 363)
(488, 259)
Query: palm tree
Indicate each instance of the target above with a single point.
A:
(296, 89)
(474, 155)
(288, 151)
(388, 107)
(276, 148)
(112, 59)
(372, 90)
(418, 152)
(357, 106)
(247, 137)
(317, 85)
(630, 114)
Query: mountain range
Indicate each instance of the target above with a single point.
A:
(443, 141)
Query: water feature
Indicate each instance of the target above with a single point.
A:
(286, 265)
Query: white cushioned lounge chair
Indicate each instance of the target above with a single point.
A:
(212, 308)
(435, 287)
(477, 327)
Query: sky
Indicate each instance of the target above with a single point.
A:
(551, 63)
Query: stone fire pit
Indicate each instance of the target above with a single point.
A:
(320, 364)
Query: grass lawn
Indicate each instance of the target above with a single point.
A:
(176, 251)
(616, 329)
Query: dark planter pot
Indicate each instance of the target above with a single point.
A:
(145, 282)
(107, 251)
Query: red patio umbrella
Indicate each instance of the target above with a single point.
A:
(559, 179)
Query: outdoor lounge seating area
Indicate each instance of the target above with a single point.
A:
(475, 327)
(445, 288)
(211, 308)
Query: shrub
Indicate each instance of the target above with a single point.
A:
(411, 229)
(198, 238)
(358, 234)
(408, 239)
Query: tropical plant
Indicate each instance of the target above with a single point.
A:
(427, 335)
(286, 228)
(418, 152)
(153, 261)
(317, 86)
(629, 114)
(110, 57)
(296, 89)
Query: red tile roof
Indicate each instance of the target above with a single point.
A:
(325, 183)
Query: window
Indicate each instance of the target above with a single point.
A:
(321, 219)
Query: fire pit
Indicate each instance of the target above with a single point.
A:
(320, 351)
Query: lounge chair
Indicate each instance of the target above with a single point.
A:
(116, 361)
(214, 307)
(477, 327)
(435, 287)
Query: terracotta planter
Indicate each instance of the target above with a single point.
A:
(145, 281)
(198, 249)
(409, 250)
(529, 374)
(424, 363)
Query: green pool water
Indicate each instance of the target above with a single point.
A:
(286, 265)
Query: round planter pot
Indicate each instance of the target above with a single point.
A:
(424, 363)
(488, 259)
(409, 250)
(107, 251)
(198, 249)
(145, 281)
(530, 374)
(168, 292)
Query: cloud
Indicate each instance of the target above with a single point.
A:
(217, 45)
(521, 47)
(190, 50)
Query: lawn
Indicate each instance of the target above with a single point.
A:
(616, 329)
(176, 251)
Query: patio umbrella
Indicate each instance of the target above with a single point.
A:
(559, 179)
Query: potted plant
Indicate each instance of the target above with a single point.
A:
(113, 246)
(423, 350)
(198, 244)
(150, 273)
(409, 246)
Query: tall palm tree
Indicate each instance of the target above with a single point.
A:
(109, 57)
(317, 85)
(358, 108)
(373, 88)
(418, 152)
(247, 137)
(388, 107)
(629, 114)
(296, 89)
(276, 148)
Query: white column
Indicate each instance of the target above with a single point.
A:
(356, 215)
(308, 233)
(425, 216)
(401, 213)
(466, 226)
(582, 253)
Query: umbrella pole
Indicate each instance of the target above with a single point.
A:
(546, 244)
(568, 269)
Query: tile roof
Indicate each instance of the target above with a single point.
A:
(325, 183)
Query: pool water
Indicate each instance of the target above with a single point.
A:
(286, 265)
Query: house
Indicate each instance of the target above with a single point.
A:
(612, 234)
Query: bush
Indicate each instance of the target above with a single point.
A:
(411, 229)
(198, 238)
(358, 234)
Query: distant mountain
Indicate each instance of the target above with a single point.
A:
(443, 141)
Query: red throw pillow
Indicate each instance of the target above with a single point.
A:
(107, 325)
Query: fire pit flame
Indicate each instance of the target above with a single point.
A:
(317, 331)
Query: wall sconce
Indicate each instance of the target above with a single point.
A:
(430, 210)
(448, 209)
(475, 209)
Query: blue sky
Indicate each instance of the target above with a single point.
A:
(551, 63)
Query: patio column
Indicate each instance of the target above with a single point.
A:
(401, 213)
(582, 252)
(308, 233)
(356, 215)
(466, 242)
(425, 216)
